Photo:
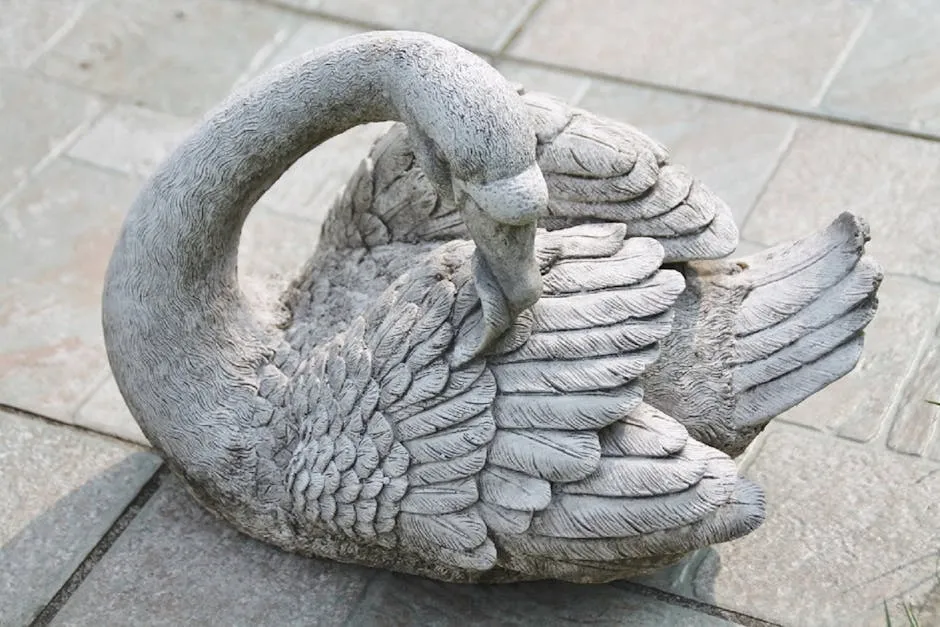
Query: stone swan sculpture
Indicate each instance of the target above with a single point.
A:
(455, 393)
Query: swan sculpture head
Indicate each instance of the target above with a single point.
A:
(457, 394)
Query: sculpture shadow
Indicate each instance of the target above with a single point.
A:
(40, 558)
(178, 564)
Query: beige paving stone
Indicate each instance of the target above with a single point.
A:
(892, 181)
(307, 190)
(859, 405)
(54, 248)
(178, 56)
(132, 140)
(60, 491)
(484, 24)
(28, 26)
(848, 528)
(733, 149)
(891, 75)
(106, 412)
(176, 564)
(778, 52)
(916, 429)
(37, 117)
(569, 86)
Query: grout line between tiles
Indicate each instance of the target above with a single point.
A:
(843, 58)
(62, 596)
(517, 26)
(770, 107)
(25, 413)
(698, 606)
(771, 175)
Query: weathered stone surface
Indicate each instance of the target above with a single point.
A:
(890, 75)
(106, 412)
(485, 24)
(176, 56)
(132, 140)
(176, 564)
(893, 182)
(848, 527)
(308, 188)
(37, 118)
(859, 405)
(779, 52)
(915, 429)
(402, 600)
(311, 34)
(27, 27)
(60, 491)
(569, 86)
(733, 149)
(53, 255)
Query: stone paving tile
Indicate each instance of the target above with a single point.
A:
(36, 118)
(106, 412)
(569, 86)
(733, 149)
(915, 430)
(176, 564)
(60, 491)
(848, 528)
(28, 26)
(891, 75)
(54, 249)
(859, 405)
(484, 24)
(132, 140)
(397, 600)
(177, 56)
(779, 52)
(891, 181)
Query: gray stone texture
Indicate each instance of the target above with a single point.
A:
(890, 76)
(892, 181)
(482, 24)
(176, 56)
(53, 253)
(402, 601)
(114, 83)
(176, 564)
(60, 491)
(832, 551)
(780, 52)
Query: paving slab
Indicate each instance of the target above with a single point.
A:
(863, 405)
(53, 255)
(483, 24)
(38, 118)
(178, 56)
(781, 52)
(398, 600)
(733, 149)
(849, 527)
(29, 26)
(890, 76)
(890, 180)
(60, 491)
(569, 86)
(176, 564)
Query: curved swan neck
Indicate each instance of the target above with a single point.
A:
(184, 347)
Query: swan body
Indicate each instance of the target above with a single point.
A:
(509, 358)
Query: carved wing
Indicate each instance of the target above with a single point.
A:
(597, 170)
(542, 446)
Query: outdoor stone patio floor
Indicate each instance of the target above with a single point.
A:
(791, 111)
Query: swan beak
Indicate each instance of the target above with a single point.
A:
(501, 217)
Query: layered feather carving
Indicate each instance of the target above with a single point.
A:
(597, 169)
